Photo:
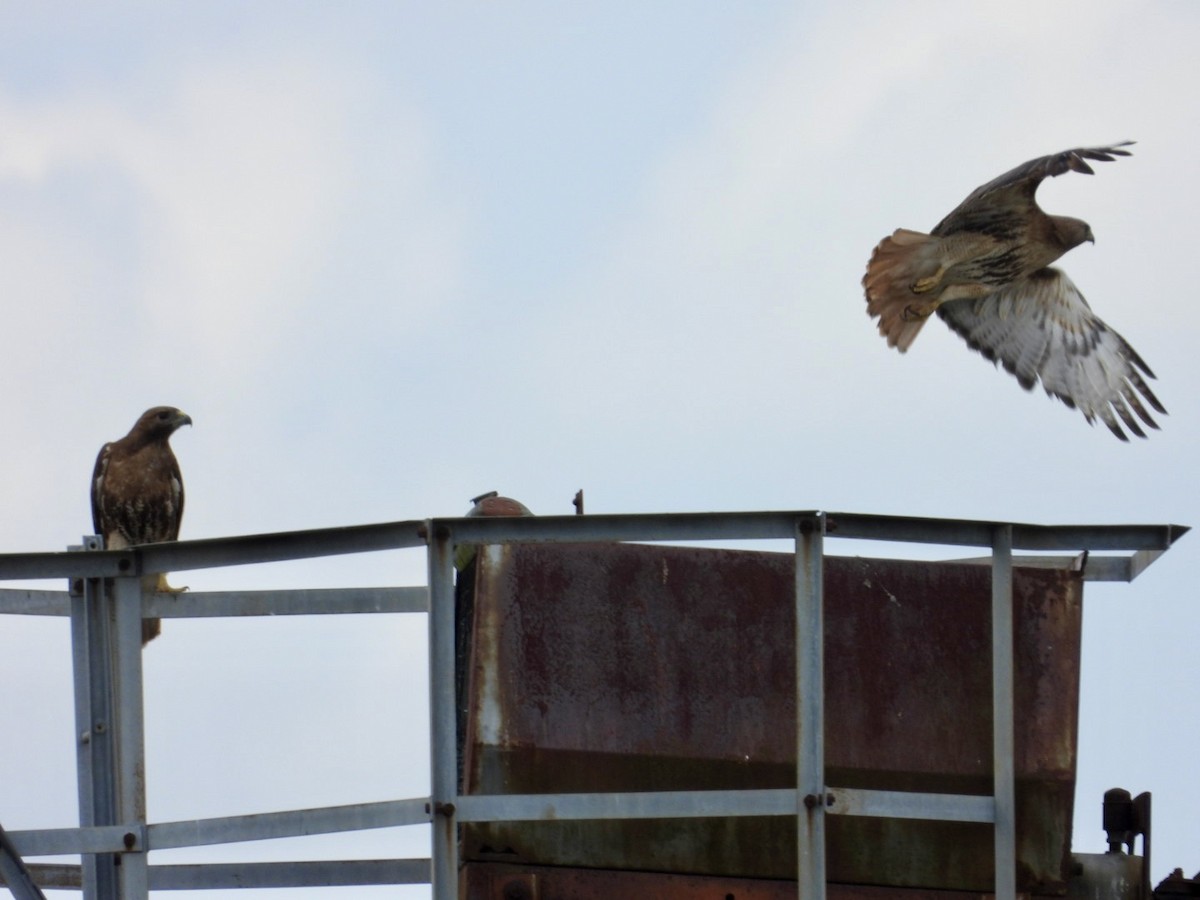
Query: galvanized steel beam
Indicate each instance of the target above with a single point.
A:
(443, 712)
(181, 556)
(635, 805)
(229, 604)
(910, 805)
(314, 873)
(128, 731)
(294, 823)
(1003, 742)
(14, 873)
(14, 601)
(307, 873)
(310, 602)
(810, 706)
(91, 625)
(70, 841)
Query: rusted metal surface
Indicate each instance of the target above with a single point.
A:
(594, 667)
(1175, 885)
(487, 881)
(1108, 876)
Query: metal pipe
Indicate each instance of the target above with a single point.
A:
(93, 722)
(128, 732)
(1003, 743)
(810, 706)
(443, 713)
(14, 873)
(181, 556)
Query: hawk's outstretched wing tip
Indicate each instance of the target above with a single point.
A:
(1041, 329)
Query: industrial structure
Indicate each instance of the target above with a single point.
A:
(616, 712)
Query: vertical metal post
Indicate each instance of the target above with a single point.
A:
(93, 729)
(129, 733)
(106, 641)
(442, 713)
(1003, 743)
(810, 706)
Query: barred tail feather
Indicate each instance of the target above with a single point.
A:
(896, 263)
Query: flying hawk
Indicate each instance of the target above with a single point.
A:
(986, 271)
(137, 492)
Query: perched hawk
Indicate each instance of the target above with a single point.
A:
(137, 491)
(986, 270)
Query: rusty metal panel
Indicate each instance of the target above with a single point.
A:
(594, 667)
(489, 881)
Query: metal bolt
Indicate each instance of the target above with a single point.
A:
(130, 840)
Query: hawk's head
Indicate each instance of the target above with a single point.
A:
(1072, 232)
(160, 423)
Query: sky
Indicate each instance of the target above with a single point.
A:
(389, 256)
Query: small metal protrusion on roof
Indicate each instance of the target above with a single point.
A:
(1118, 820)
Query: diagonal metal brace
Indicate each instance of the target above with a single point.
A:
(14, 874)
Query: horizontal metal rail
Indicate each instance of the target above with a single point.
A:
(212, 876)
(639, 805)
(296, 823)
(68, 841)
(229, 604)
(494, 808)
(1147, 540)
(221, 830)
(910, 805)
(310, 602)
(781, 525)
(721, 804)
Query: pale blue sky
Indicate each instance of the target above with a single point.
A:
(392, 256)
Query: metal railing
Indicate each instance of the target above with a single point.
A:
(106, 607)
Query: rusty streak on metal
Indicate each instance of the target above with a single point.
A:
(616, 667)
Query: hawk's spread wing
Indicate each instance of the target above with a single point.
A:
(1011, 194)
(1041, 328)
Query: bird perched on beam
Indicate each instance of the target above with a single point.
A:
(137, 492)
(985, 270)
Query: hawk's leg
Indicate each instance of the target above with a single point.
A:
(162, 587)
(928, 283)
(916, 311)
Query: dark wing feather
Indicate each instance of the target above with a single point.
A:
(98, 475)
(1010, 196)
(1042, 329)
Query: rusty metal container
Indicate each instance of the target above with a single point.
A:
(619, 667)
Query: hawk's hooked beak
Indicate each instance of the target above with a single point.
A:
(1089, 237)
(183, 419)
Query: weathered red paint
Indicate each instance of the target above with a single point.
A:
(598, 667)
(489, 881)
